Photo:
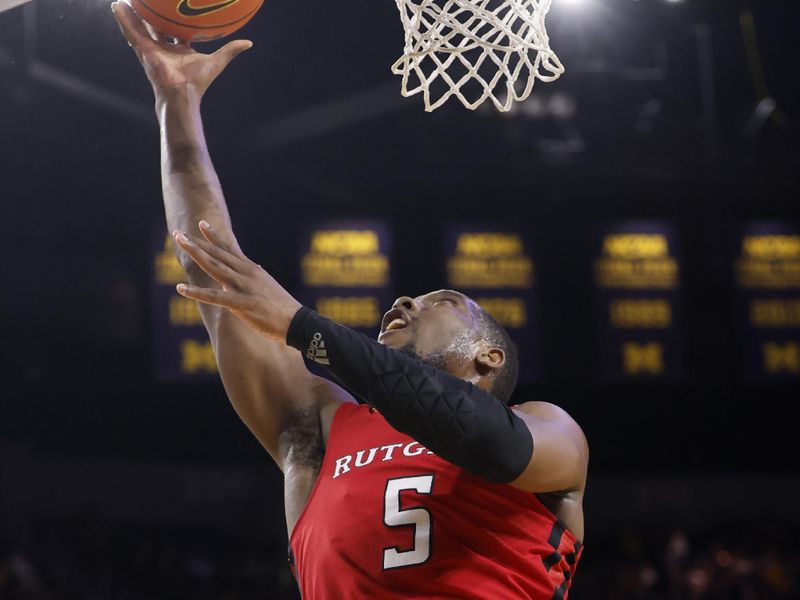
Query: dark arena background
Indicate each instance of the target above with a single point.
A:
(635, 225)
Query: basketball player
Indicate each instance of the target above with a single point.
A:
(432, 487)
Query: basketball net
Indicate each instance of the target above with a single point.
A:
(475, 50)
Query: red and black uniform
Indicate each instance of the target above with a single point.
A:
(389, 519)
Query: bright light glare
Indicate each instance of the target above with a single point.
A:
(9, 4)
(573, 4)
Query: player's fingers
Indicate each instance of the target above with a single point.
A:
(131, 24)
(235, 257)
(203, 254)
(164, 40)
(124, 28)
(233, 49)
(217, 297)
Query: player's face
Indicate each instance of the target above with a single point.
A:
(434, 325)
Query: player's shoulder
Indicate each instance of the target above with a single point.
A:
(544, 410)
(554, 414)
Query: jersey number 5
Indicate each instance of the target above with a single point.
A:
(419, 518)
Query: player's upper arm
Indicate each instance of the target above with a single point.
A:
(560, 451)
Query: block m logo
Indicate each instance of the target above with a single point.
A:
(781, 358)
(643, 359)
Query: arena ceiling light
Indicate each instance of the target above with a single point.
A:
(9, 4)
(573, 5)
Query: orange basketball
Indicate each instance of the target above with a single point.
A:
(197, 20)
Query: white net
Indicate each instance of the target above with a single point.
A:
(475, 50)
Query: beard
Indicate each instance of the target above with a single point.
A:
(459, 350)
(436, 360)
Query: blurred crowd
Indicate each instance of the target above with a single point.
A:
(86, 559)
(90, 560)
(729, 561)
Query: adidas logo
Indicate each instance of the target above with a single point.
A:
(316, 350)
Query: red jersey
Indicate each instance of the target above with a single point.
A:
(389, 519)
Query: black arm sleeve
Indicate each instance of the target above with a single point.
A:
(460, 422)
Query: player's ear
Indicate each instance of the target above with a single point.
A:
(489, 359)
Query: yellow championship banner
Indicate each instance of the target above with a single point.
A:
(637, 281)
(345, 271)
(766, 272)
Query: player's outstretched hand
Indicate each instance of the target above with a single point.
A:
(248, 291)
(173, 65)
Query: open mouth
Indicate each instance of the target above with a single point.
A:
(394, 319)
(396, 324)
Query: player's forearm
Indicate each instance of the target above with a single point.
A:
(190, 185)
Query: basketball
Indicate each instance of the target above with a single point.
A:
(196, 20)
